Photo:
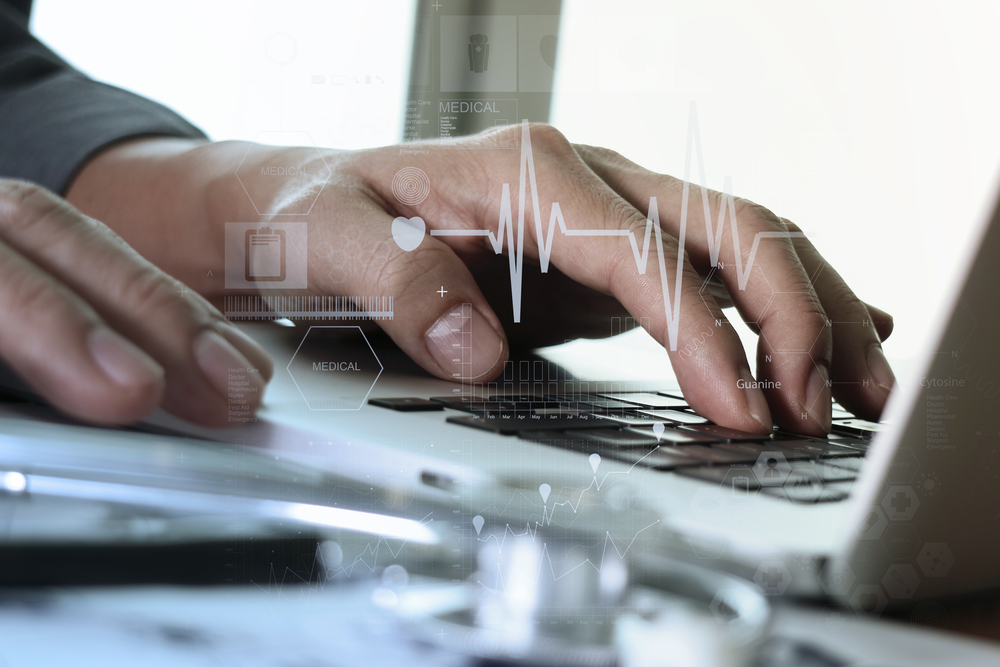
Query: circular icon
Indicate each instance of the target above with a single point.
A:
(410, 186)
(280, 48)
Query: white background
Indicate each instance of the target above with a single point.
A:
(874, 125)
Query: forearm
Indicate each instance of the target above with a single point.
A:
(170, 198)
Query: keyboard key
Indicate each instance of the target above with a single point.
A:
(676, 436)
(740, 477)
(808, 493)
(854, 464)
(850, 441)
(841, 413)
(526, 422)
(407, 404)
(517, 396)
(760, 448)
(561, 439)
(671, 393)
(857, 427)
(648, 400)
(565, 412)
(621, 438)
(459, 402)
(631, 419)
(662, 458)
(825, 471)
(592, 403)
(717, 455)
(675, 416)
(815, 448)
(726, 434)
(488, 407)
(521, 403)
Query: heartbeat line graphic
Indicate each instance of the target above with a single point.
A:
(564, 568)
(671, 308)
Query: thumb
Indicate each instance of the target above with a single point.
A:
(440, 317)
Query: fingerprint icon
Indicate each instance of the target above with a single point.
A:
(411, 186)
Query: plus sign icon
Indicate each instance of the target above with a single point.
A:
(900, 503)
(772, 577)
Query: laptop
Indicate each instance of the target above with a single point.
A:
(872, 516)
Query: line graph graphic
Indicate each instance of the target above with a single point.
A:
(545, 238)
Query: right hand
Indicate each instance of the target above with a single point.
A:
(103, 334)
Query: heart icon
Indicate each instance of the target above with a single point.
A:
(868, 601)
(408, 232)
(548, 49)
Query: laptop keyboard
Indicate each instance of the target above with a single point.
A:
(659, 431)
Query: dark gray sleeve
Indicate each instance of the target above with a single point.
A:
(53, 118)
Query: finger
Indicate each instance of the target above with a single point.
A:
(860, 374)
(882, 321)
(766, 281)
(197, 349)
(653, 280)
(440, 318)
(63, 349)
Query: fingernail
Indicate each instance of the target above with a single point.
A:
(464, 344)
(250, 348)
(229, 372)
(756, 403)
(819, 404)
(121, 360)
(878, 366)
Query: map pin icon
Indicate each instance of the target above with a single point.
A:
(477, 523)
(658, 430)
(595, 460)
(545, 490)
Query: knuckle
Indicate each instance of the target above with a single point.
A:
(759, 217)
(147, 291)
(24, 204)
(791, 226)
(30, 297)
(841, 299)
(549, 138)
(396, 273)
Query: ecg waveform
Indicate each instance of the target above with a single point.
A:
(545, 239)
(616, 553)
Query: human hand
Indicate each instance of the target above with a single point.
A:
(791, 296)
(103, 334)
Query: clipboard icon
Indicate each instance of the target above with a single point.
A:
(265, 255)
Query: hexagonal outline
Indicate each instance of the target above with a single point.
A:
(901, 566)
(758, 577)
(302, 342)
(900, 526)
(883, 519)
(908, 482)
(829, 623)
(881, 603)
(775, 455)
(708, 491)
(910, 511)
(920, 559)
(251, 147)
(845, 568)
(750, 493)
(717, 549)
